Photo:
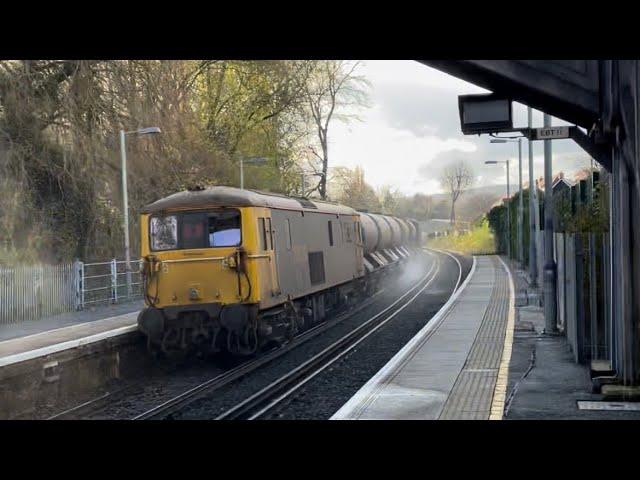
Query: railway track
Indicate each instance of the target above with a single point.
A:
(264, 400)
(166, 408)
(270, 396)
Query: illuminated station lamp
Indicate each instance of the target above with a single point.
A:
(485, 113)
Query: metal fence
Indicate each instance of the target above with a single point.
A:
(32, 292)
(37, 291)
(105, 282)
(583, 293)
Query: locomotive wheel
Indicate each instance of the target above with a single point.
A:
(170, 339)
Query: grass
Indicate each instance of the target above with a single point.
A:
(478, 241)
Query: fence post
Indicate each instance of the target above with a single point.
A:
(78, 284)
(593, 302)
(580, 313)
(38, 284)
(140, 281)
(114, 281)
(606, 276)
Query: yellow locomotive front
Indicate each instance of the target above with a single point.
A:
(201, 274)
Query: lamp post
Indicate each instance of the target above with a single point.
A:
(249, 161)
(549, 271)
(520, 200)
(533, 212)
(495, 162)
(125, 197)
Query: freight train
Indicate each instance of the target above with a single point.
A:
(233, 270)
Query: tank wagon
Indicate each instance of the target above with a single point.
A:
(230, 269)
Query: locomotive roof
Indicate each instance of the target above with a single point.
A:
(235, 197)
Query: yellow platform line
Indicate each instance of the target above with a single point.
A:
(500, 390)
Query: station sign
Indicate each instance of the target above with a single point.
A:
(550, 133)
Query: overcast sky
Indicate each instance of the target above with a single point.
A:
(413, 129)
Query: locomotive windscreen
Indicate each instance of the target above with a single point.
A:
(196, 230)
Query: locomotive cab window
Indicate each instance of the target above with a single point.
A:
(268, 233)
(196, 230)
(262, 231)
(224, 229)
(164, 232)
(346, 232)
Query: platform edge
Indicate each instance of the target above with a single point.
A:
(363, 394)
(500, 389)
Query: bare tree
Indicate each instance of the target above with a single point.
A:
(353, 190)
(334, 88)
(389, 199)
(455, 179)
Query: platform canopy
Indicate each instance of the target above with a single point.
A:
(566, 89)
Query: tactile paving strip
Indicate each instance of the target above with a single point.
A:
(472, 393)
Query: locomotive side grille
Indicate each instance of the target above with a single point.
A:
(316, 267)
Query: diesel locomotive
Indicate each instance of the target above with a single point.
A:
(233, 270)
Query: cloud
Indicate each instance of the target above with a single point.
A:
(423, 112)
(413, 130)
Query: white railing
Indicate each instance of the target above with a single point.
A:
(37, 291)
(106, 282)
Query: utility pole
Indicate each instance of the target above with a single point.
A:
(125, 211)
(520, 207)
(533, 205)
(125, 197)
(593, 302)
(520, 212)
(508, 202)
(549, 273)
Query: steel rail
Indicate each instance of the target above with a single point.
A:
(271, 395)
(165, 409)
(456, 260)
(180, 401)
(171, 405)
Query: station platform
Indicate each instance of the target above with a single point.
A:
(456, 367)
(42, 338)
(545, 382)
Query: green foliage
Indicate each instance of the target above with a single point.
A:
(479, 241)
(497, 220)
(60, 153)
(592, 216)
(418, 206)
(389, 200)
(350, 188)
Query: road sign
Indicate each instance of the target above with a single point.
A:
(550, 133)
